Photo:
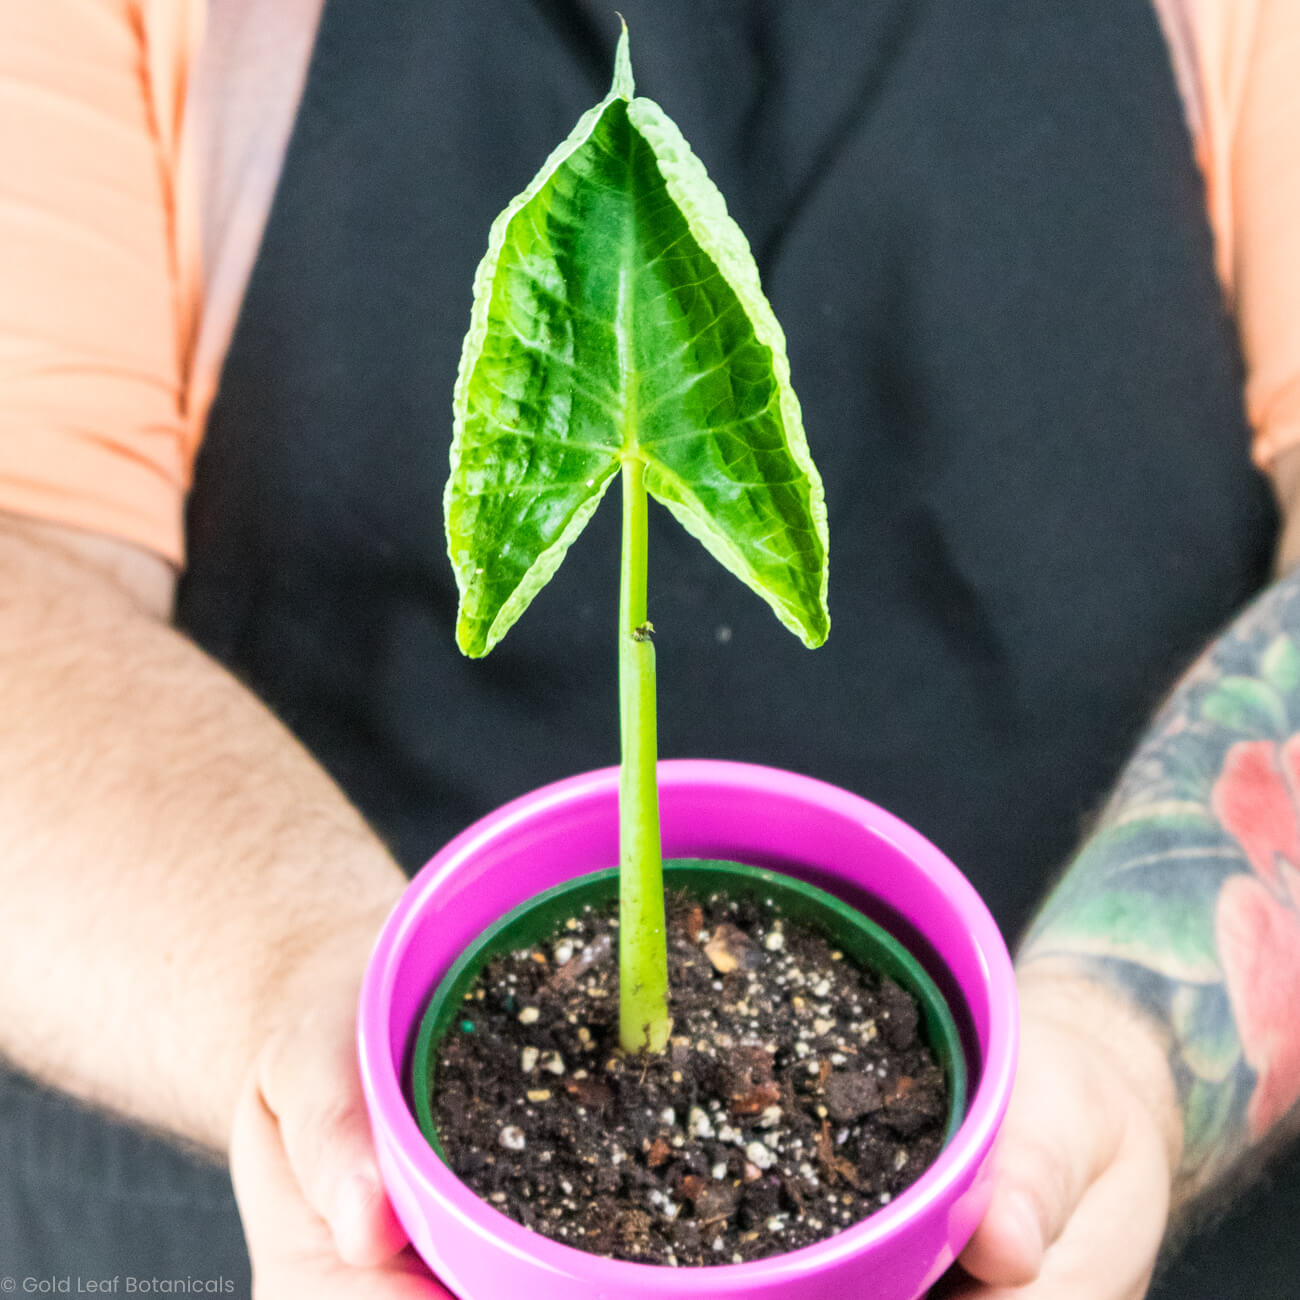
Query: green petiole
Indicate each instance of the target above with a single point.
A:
(644, 1022)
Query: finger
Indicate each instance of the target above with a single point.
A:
(1008, 1245)
(1108, 1250)
(291, 1248)
(1110, 1247)
(1055, 1141)
(277, 1223)
(310, 1083)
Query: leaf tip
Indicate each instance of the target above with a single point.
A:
(814, 632)
(471, 638)
(624, 86)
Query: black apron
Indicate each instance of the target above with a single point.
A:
(982, 229)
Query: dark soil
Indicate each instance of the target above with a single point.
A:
(796, 1096)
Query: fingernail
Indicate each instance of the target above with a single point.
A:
(1023, 1217)
(352, 1204)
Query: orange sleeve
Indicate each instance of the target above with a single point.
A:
(1266, 206)
(1247, 113)
(99, 276)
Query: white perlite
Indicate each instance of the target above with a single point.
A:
(512, 1138)
(699, 1122)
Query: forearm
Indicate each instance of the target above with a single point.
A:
(1185, 901)
(174, 866)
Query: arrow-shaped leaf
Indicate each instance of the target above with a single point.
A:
(618, 316)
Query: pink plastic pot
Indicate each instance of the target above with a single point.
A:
(759, 815)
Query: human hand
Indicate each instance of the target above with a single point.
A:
(1086, 1156)
(315, 1215)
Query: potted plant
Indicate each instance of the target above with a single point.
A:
(619, 330)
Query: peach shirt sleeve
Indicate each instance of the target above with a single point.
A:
(1261, 178)
(99, 261)
(1246, 113)
(98, 268)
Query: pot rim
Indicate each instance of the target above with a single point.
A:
(382, 1077)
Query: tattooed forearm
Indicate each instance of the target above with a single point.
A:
(1187, 896)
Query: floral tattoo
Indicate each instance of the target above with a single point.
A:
(1187, 896)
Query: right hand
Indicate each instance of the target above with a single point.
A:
(302, 1160)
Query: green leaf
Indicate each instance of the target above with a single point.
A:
(618, 316)
(1281, 666)
(1161, 921)
(1246, 705)
(1210, 1110)
(1182, 850)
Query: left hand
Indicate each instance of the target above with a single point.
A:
(1086, 1156)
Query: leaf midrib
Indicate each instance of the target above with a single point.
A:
(629, 377)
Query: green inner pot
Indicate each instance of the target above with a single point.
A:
(857, 937)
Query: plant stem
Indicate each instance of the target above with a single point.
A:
(644, 1022)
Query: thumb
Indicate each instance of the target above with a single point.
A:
(1056, 1140)
(309, 1081)
(291, 1250)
